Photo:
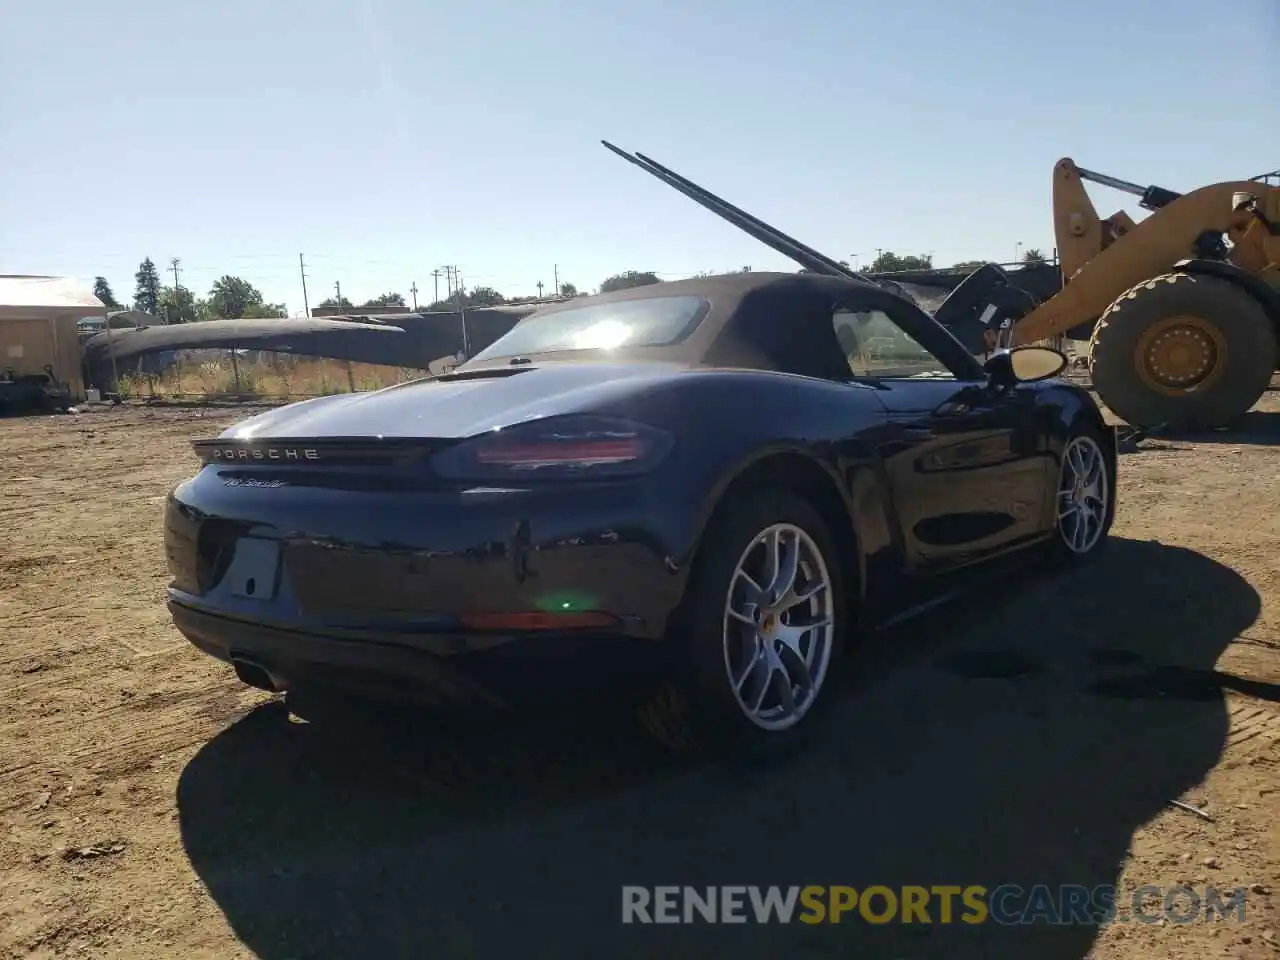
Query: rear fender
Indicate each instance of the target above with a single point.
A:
(859, 514)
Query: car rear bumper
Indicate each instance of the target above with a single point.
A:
(498, 597)
(497, 672)
(428, 560)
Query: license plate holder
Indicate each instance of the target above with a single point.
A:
(255, 569)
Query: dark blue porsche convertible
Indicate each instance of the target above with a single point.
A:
(691, 493)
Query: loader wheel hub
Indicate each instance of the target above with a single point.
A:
(1180, 354)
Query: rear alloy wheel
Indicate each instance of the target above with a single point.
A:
(779, 627)
(1084, 503)
(761, 633)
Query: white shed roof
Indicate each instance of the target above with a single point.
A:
(47, 296)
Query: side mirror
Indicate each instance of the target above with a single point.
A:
(1025, 365)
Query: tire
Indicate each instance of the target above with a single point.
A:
(1244, 335)
(1084, 439)
(698, 709)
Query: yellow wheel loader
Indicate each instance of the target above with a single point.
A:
(1182, 310)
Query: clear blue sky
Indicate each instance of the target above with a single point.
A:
(383, 138)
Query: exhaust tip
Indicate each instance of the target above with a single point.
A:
(254, 674)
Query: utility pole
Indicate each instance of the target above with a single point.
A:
(414, 292)
(173, 265)
(302, 271)
(555, 276)
(462, 316)
(539, 289)
(435, 286)
(337, 288)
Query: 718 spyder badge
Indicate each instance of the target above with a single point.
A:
(250, 482)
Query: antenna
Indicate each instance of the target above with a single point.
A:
(789, 247)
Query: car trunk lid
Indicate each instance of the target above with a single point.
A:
(422, 415)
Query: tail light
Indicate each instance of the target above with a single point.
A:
(557, 448)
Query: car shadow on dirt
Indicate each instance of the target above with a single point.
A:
(1021, 738)
(1258, 428)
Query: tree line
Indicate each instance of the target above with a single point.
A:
(233, 298)
(889, 262)
(230, 297)
(489, 297)
(475, 297)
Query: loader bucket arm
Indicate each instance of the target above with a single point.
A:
(1151, 248)
(1080, 234)
(789, 247)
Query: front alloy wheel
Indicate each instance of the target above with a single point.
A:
(1084, 496)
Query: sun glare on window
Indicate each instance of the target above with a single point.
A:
(604, 335)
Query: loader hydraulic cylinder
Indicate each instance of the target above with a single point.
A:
(1150, 198)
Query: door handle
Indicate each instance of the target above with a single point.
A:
(917, 433)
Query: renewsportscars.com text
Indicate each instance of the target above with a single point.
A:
(1008, 904)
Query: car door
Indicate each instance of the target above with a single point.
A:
(964, 463)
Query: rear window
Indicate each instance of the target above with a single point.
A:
(647, 322)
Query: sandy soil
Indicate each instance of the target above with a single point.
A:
(152, 807)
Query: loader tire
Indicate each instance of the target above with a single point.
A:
(1186, 351)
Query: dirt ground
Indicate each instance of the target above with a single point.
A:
(152, 807)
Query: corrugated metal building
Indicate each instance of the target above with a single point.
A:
(38, 327)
